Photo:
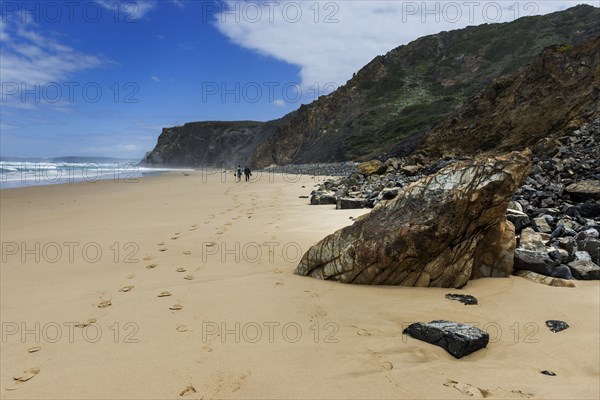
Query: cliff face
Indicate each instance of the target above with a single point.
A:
(559, 91)
(206, 144)
(388, 106)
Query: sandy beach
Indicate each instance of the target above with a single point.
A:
(238, 323)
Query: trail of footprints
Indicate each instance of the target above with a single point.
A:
(105, 302)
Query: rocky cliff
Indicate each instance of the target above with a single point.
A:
(559, 91)
(388, 106)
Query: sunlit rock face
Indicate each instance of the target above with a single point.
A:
(440, 231)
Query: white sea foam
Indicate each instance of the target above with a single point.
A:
(34, 173)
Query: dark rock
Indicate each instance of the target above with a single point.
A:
(558, 231)
(387, 194)
(549, 373)
(303, 197)
(590, 209)
(519, 220)
(533, 261)
(322, 199)
(592, 246)
(457, 339)
(555, 256)
(347, 203)
(466, 299)
(563, 272)
(440, 231)
(556, 326)
(585, 270)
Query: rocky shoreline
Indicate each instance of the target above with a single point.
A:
(556, 212)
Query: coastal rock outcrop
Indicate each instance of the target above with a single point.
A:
(440, 231)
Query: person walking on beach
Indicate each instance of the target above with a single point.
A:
(247, 173)
(238, 173)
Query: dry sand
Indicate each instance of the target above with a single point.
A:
(296, 337)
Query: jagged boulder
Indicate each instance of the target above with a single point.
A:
(439, 231)
(457, 339)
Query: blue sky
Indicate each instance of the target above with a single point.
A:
(101, 78)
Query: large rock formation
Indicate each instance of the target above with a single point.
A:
(439, 231)
(393, 101)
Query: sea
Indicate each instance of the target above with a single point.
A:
(23, 172)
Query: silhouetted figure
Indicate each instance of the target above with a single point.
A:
(247, 173)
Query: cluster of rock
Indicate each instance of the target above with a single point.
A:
(372, 182)
(555, 212)
(317, 170)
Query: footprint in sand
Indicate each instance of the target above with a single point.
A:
(190, 389)
(174, 237)
(151, 266)
(360, 331)
(279, 283)
(161, 243)
(187, 252)
(189, 277)
(318, 312)
(229, 382)
(162, 249)
(181, 328)
(130, 276)
(126, 289)
(147, 258)
(192, 229)
(34, 349)
(86, 323)
(104, 304)
(386, 365)
(27, 374)
(176, 307)
(467, 389)
(180, 270)
(164, 294)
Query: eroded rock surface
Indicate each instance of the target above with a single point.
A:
(439, 231)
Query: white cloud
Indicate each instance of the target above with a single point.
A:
(279, 103)
(32, 59)
(131, 10)
(161, 37)
(154, 78)
(329, 41)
